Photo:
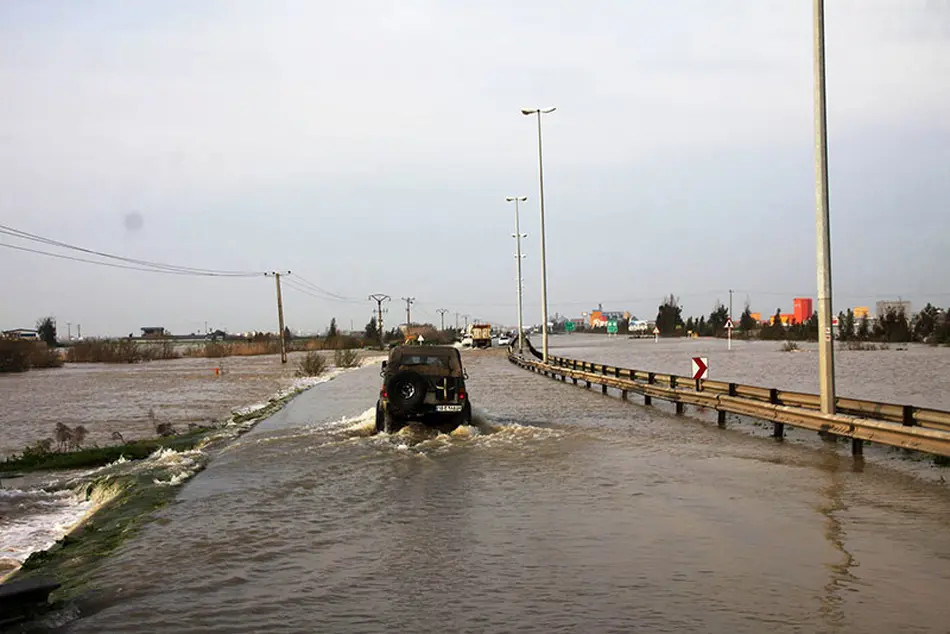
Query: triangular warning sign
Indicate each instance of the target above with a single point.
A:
(729, 323)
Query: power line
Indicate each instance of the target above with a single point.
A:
(153, 266)
(323, 290)
(118, 266)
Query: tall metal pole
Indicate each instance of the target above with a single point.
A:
(280, 317)
(520, 281)
(379, 298)
(442, 312)
(544, 272)
(408, 301)
(826, 362)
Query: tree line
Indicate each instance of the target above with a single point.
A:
(930, 325)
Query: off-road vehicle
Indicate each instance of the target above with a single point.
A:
(424, 384)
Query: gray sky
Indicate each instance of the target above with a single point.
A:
(368, 146)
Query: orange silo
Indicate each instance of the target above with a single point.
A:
(803, 310)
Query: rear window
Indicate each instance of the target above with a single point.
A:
(444, 362)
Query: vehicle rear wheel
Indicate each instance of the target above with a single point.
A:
(465, 417)
(380, 418)
(392, 425)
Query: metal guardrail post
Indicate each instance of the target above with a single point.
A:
(908, 415)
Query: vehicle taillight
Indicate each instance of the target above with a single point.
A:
(461, 395)
(382, 393)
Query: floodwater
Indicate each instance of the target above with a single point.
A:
(133, 399)
(560, 510)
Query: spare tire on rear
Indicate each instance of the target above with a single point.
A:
(406, 390)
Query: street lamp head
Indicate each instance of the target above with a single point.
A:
(527, 111)
(548, 110)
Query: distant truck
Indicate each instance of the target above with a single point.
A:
(481, 335)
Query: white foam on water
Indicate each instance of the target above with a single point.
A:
(33, 520)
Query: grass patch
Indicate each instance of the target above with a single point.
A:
(35, 459)
(789, 346)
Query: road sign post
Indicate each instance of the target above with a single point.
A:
(700, 370)
(569, 326)
(656, 334)
(729, 326)
(612, 327)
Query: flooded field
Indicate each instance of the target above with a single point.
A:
(559, 510)
(908, 374)
(133, 399)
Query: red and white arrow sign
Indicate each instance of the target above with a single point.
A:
(700, 368)
(656, 330)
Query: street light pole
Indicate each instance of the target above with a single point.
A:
(518, 236)
(544, 272)
(442, 312)
(826, 362)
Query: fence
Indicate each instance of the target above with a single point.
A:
(906, 426)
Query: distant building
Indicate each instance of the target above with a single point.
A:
(600, 317)
(787, 319)
(153, 332)
(861, 312)
(21, 333)
(882, 307)
(803, 309)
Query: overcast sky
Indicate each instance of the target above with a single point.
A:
(369, 146)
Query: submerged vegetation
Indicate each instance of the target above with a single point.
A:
(20, 356)
(65, 451)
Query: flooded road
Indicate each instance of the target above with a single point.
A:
(560, 510)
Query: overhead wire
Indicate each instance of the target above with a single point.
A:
(113, 264)
(152, 266)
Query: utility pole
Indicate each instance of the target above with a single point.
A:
(409, 301)
(466, 321)
(826, 362)
(456, 320)
(442, 312)
(379, 298)
(69, 331)
(280, 316)
(79, 331)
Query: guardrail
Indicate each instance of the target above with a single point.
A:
(906, 426)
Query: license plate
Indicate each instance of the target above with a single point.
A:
(448, 408)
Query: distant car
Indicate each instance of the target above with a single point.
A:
(424, 384)
(504, 340)
(467, 341)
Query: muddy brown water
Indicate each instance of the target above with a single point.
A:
(133, 399)
(562, 510)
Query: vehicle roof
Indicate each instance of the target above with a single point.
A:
(444, 352)
(429, 351)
